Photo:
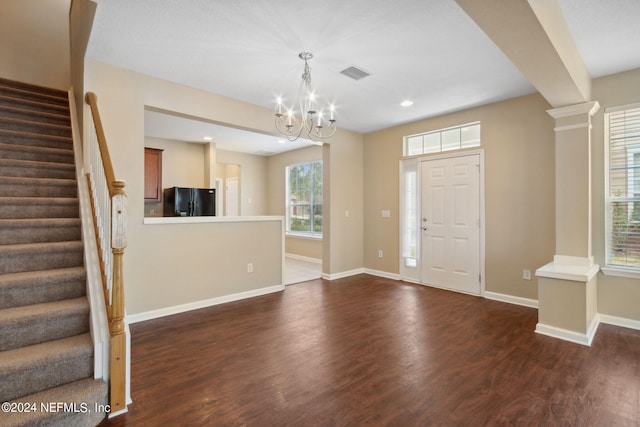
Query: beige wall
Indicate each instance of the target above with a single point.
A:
(183, 165)
(311, 248)
(182, 162)
(253, 180)
(122, 98)
(34, 42)
(518, 140)
(617, 296)
(167, 265)
(343, 166)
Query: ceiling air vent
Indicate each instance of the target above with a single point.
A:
(355, 73)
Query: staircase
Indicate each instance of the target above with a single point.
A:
(46, 351)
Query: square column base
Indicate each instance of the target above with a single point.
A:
(567, 307)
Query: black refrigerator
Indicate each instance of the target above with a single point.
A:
(180, 201)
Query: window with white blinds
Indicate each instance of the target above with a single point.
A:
(622, 133)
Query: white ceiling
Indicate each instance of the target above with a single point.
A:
(428, 51)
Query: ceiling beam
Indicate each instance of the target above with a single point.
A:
(534, 35)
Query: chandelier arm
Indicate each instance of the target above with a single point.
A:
(312, 124)
(289, 133)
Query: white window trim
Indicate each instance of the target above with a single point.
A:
(608, 269)
(405, 140)
(311, 235)
(307, 236)
(631, 273)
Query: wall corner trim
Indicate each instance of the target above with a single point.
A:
(342, 274)
(567, 335)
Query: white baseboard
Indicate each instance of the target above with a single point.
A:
(384, 274)
(342, 274)
(168, 311)
(120, 412)
(619, 321)
(527, 302)
(567, 335)
(304, 258)
(349, 273)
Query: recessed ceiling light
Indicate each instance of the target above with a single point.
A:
(207, 138)
(406, 103)
(281, 141)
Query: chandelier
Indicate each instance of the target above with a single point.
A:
(313, 122)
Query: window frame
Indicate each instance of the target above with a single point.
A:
(610, 268)
(444, 145)
(312, 204)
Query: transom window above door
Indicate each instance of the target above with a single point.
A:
(453, 138)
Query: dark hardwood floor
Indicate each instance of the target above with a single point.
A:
(372, 351)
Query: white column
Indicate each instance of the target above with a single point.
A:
(567, 286)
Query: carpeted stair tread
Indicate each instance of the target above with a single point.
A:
(39, 187)
(46, 350)
(35, 169)
(39, 207)
(33, 94)
(36, 287)
(27, 370)
(39, 230)
(14, 137)
(35, 106)
(42, 154)
(36, 323)
(31, 87)
(35, 127)
(85, 392)
(16, 112)
(40, 256)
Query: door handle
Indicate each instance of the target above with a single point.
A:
(425, 228)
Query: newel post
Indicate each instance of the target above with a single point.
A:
(116, 326)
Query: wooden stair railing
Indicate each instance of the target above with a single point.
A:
(108, 202)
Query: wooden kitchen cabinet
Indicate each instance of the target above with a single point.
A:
(152, 175)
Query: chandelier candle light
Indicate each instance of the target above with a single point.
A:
(311, 121)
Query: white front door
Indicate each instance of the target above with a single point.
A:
(450, 223)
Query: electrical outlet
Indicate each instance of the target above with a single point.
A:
(250, 268)
(380, 254)
(526, 274)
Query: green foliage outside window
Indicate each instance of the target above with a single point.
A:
(304, 196)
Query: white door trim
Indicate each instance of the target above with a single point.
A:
(480, 153)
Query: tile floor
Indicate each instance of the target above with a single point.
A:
(297, 270)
